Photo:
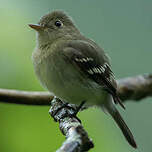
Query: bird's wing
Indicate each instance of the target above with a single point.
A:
(94, 64)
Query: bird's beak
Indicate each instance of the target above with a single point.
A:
(36, 27)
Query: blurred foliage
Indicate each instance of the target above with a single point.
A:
(123, 28)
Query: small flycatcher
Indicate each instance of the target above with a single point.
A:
(74, 67)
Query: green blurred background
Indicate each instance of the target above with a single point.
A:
(122, 28)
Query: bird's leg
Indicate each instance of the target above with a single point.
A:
(63, 109)
(77, 110)
(79, 107)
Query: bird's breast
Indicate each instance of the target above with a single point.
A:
(67, 83)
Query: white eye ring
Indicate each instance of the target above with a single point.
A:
(58, 23)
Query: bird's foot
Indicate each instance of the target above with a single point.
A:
(64, 109)
(77, 110)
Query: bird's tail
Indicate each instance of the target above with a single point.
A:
(122, 125)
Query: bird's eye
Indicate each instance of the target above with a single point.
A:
(58, 23)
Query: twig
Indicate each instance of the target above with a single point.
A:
(135, 88)
(25, 97)
(77, 139)
(132, 88)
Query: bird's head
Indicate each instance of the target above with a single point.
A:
(53, 26)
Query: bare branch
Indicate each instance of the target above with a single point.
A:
(25, 97)
(132, 88)
(77, 139)
(135, 88)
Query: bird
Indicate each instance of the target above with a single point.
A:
(75, 68)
